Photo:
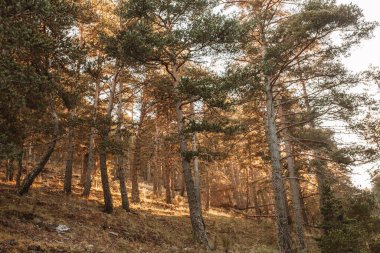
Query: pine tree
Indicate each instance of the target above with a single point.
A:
(170, 35)
(281, 39)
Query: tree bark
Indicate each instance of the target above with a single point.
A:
(283, 231)
(108, 203)
(196, 170)
(123, 187)
(91, 146)
(136, 165)
(84, 168)
(156, 183)
(207, 200)
(120, 157)
(263, 201)
(156, 178)
(29, 179)
(19, 170)
(294, 184)
(196, 218)
(167, 174)
(255, 193)
(149, 172)
(255, 176)
(183, 187)
(10, 170)
(255, 199)
(136, 168)
(70, 154)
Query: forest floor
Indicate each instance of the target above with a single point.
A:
(29, 224)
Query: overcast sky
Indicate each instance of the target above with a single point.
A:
(361, 58)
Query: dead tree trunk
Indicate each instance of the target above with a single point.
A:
(70, 155)
(29, 179)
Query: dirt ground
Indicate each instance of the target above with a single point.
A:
(29, 224)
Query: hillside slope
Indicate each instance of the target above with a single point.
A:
(29, 224)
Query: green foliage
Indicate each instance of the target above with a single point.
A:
(340, 234)
(349, 226)
(210, 89)
(166, 33)
(227, 127)
(35, 46)
(315, 20)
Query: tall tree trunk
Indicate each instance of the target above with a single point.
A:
(108, 205)
(254, 173)
(149, 172)
(283, 231)
(70, 155)
(27, 158)
(196, 218)
(136, 168)
(183, 187)
(120, 157)
(254, 192)
(196, 170)
(264, 201)
(172, 181)
(319, 165)
(237, 194)
(136, 165)
(91, 145)
(19, 169)
(207, 200)
(167, 174)
(29, 179)
(294, 184)
(156, 183)
(156, 174)
(84, 168)
(304, 211)
(123, 187)
(247, 188)
(10, 170)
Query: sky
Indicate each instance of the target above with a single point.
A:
(368, 53)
